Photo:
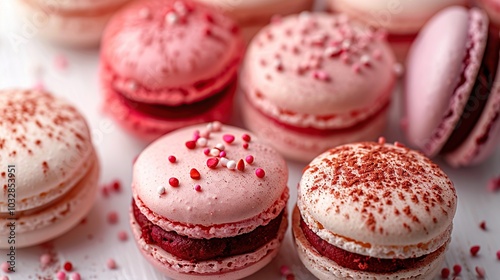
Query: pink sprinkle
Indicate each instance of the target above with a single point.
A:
(216, 126)
(480, 271)
(111, 264)
(356, 68)
(398, 144)
(75, 276)
(222, 154)
(5, 267)
(122, 235)
(212, 163)
(381, 140)
(174, 182)
(494, 184)
(245, 146)
(263, 62)
(206, 151)
(39, 85)
(228, 138)
(172, 159)
(377, 54)
(112, 217)
(482, 225)
(191, 144)
(61, 275)
(345, 58)
(474, 250)
(285, 270)
(197, 188)
(209, 18)
(249, 159)
(205, 133)
(457, 269)
(45, 260)
(60, 62)
(498, 254)
(116, 186)
(259, 172)
(321, 75)
(246, 137)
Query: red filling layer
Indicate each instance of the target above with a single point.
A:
(206, 249)
(479, 95)
(401, 38)
(324, 132)
(355, 261)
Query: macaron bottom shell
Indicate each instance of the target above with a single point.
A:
(304, 147)
(55, 220)
(324, 268)
(235, 267)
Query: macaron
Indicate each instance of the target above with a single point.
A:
(313, 81)
(168, 64)
(254, 15)
(451, 87)
(373, 211)
(49, 167)
(209, 202)
(72, 23)
(402, 19)
(492, 8)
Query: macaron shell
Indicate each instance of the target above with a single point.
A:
(435, 67)
(273, 63)
(74, 5)
(324, 268)
(47, 140)
(235, 267)
(409, 202)
(170, 52)
(59, 217)
(220, 200)
(399, 17)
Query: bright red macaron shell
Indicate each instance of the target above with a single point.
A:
(452, 89)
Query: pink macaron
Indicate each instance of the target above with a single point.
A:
(373, 211)
(452, 90)
(401, 19)
(209, 202)
(49, 167)
(74, 23)
(168, 64)
(254, 15)
(315, 80)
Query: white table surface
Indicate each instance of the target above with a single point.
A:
(24, 60)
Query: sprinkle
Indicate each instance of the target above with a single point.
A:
(207, 32)
(45, 259)
(259, 172)
(482, 225)
(445, 273)
(206, 151)
(474, 250)
(220, 147)
(217, 126)
(345, 58)
(172, 18)
(457, 269)
(76, 276)
(61, 275)
(112, 217)
(205, 133)
(332, 51)
(278, 65)
(180, 7)
(122, 235)
(210, 127)
(68, 266)
(498, 254)
(212, 163)
(377, 54)
(494, 184)
(215, 152)
(194, 174)
(202, 142)
(224, 161)
(365, 60)
(228, 138)
(356, 68)
(240, 165)
(191, 144)
(231, 165)
(346, 44)
(222, 153)
(5, 267)
(209, 18)
(174, 182)
(245, 146)
(197, 188)
(398, 144)
(249, 159)
(116, 186)
(111, 264)
(480, 271)
(132, 85)
(320, 75)
(160, 190)
(381, 140)
(172, 159)
(246, 137)
(290, 277)
(285, 270)
(398, 69)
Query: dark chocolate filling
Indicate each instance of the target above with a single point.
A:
(479, 95)
(206, 249)
(356, 261)
(160, 111)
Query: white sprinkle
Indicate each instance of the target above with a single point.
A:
(217, 126)
(332, 51)
(180, 8)
(346, 44)
(223, 161)
(398, 69)
(210, 127)
(365, 59)
(220, 146)
(278, 65)
(172, 18)
(132, 85)
(205, 133)
(160, 190)
(304, 15)
(231, 165)
(214, 152)
(202, 142)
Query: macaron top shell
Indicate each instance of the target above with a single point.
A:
(171, 52)
(48, 142)
(56, 6)
(375, 195)
(224, 195)
(400, 17)
(441, 70)
(319, 64)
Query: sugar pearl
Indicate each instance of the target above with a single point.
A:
(231, 165)
(220, 146)
(202, 141)
(214, 152)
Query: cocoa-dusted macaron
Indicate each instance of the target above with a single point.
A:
(373, 211)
